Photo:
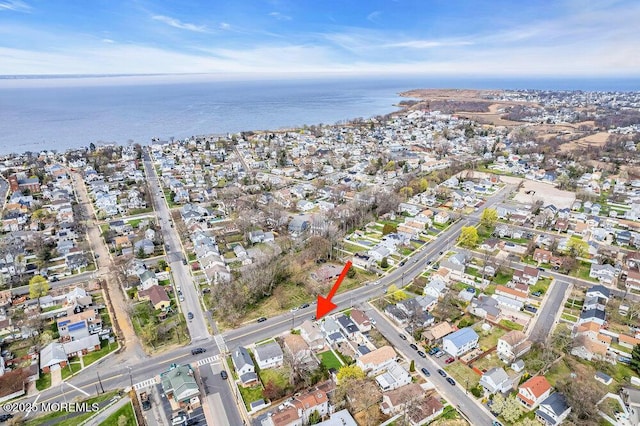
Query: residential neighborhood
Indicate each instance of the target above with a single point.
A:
(492, 270)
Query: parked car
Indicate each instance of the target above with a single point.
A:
(54, 279)
(184, 261)
(304, 305)
(224, 375)
(425, 372)
(422, 354)
(442, 373)
(536, 293)
(262, 319)
(471, 289)
(197, 351)
(439, 354)
(413, 346)
(190, 315)
(403, 337)
(434, 350)
(449, 360)
(451, 381)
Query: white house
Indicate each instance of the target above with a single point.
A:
(460, 342)
(533, 392)
(512, 345)
(269, 355)
(377, 360)
(395, 376)
(496, 380)
(553, 410)
(603, 273)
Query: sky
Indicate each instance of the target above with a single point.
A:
(555, 38)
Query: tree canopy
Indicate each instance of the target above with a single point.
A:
(350, 372)
(38, 287)
(489, 217)
(468, 236)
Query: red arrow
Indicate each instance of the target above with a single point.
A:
(324, 303)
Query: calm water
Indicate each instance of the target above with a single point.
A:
(74, 115)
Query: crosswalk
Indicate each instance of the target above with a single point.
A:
(208, 360)
(222, 346)
(145, 383)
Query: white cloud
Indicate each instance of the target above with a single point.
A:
(176, 23)
(107, 40)
(428, 44)
(373, 16)
(15, 6)
(224, 26)
(279, 16)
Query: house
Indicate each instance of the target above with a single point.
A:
(460, 342)
(326, 272)
(435, 288)
(394, 377)
(299, 225)
(145, 246)
(512, 345)
(179, 385)
(603, 273)
(435, 333)
(442, 218)
(395, 400)
(313, 400)
(53, 357)
(485, 307)
(295, 345)
(591, 315)
(148, 279)
(553, 410)
(361, 320)
(517, 366)
(425, 411)
(533, 392)
(599, 291)
(244, 366)
(631, 398)
(633, 280)
(82, 346)
(311, 334)
(268, 355)
(511, 293)
(339, 418)
(157, 296)
(377, 360)
(542, 255)
(496, 380)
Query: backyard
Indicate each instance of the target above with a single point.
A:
(329, 360)
(464, 375)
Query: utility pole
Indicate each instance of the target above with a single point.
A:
(100, 381)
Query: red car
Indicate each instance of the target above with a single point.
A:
(449, 360)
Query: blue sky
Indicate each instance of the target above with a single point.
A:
(431, 37)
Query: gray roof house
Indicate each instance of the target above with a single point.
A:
(243, 364)
(496, 380)
(269, 355)
(553, 410)
(460, 342)
(349, 328)
(52, 356)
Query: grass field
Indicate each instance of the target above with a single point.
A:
(127, 412)
(92, 357)
(251, 394)
(279, 376)
(329, 360)
(463, 375)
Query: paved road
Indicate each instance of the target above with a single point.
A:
(220, 399)
(63, 282)
(547, 315)
(456, 395)
(197, 326)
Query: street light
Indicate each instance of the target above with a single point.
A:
(130, 376)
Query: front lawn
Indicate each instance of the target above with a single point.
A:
(75, 367)
(106, 348)
(43, 382)
(502, 278)
(52, 417)
(127, 412)
(464, 375)
(329, 360)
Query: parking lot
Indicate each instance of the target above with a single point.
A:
(161, 414)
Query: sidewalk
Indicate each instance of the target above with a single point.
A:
(104, 414)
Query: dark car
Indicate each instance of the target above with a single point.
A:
(425, 372)
(451, 381)
(403, 337)
(422, 354)
(224, 375)
(433, 350)
(403, 262)
(190, 315)
(54, 279)
(304, 305)
(536, 293)
(262, 319)
(184, 261)
(197, 351)
(413, 346)
(442, 373)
